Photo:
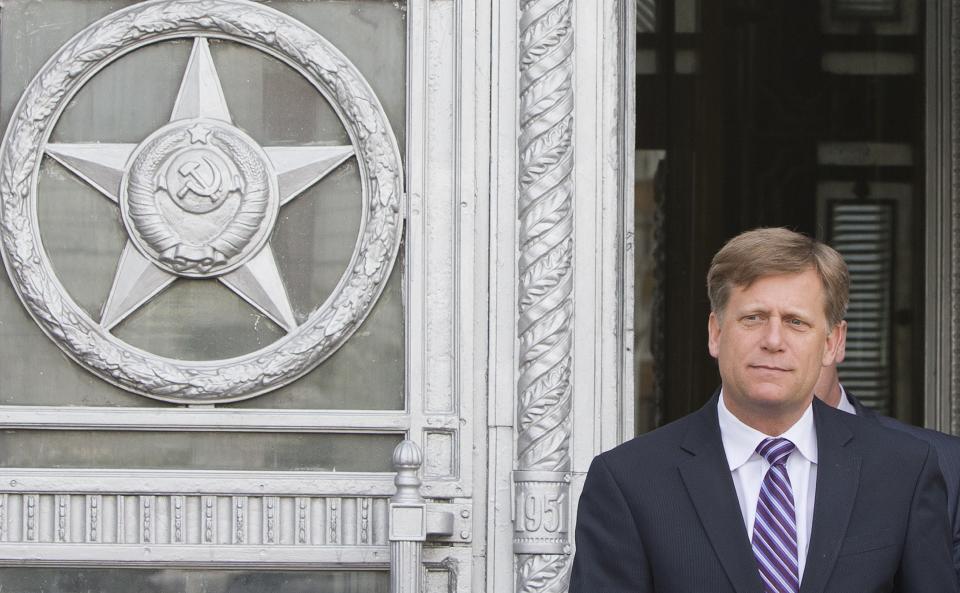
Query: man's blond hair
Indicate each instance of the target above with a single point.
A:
(772, 251)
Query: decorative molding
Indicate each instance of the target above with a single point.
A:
(93, 525)
(29, 523)
(545, 303)
(364, 522)
(208, 525)
(177, 525)
(333, 520)
(240, 504)
(63, 517)
(328, 327)
(147, 519)
(172, 520)
(205, 482)
(212, 419)
(303, 521)
(197, 555)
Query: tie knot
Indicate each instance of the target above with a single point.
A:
(775, 450)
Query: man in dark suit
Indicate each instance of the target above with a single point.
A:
(831, 392)
(766, 489)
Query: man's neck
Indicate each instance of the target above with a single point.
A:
(832, 397)
(765, 420)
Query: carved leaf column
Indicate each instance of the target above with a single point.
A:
(545, 325)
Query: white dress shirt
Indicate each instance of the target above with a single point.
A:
(845, 404)
(747, 467)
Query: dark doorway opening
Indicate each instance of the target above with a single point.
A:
(808, 115)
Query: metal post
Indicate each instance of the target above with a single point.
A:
(408, 521)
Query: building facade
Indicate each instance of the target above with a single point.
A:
(344, 295)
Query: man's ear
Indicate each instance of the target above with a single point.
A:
(713, 335)
(842, 348)
(835, 346)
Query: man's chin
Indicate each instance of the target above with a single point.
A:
(774, 397)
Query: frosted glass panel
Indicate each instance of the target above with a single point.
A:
(241, 451)
(32, 31)
(312, 240)
(115, 580)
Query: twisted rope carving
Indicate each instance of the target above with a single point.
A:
(545, 213)
(546, 235)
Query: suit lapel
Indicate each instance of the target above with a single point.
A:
(706, 476)
(838, 476)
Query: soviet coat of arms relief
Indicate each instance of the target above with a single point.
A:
(199, 198)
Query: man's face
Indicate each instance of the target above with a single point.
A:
(770, 344)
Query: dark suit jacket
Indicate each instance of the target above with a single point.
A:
(659, 514)
(948, 456)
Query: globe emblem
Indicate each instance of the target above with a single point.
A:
(199, 197)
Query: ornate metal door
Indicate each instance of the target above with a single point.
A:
(221, 238)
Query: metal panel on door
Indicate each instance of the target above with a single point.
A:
(202, 205)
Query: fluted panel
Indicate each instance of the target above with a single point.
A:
(406, 572)
(545, 285)
(954, 207)
(178, 519)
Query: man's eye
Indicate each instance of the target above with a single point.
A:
(796, 322)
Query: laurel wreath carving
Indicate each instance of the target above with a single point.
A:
(543, 573)
(327, 327)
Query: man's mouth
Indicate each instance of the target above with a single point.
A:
(769, 367)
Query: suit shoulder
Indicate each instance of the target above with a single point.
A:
(875, 438)
(934, 437)
(947, 446)
(656, 445)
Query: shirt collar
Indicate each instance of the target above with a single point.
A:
(740, 440)
(845, 404)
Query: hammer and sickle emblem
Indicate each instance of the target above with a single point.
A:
(196, 183)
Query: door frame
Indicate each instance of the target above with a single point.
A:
(942, 318)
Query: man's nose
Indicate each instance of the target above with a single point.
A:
(772, 336)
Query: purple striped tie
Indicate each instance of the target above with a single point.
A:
(775, 526)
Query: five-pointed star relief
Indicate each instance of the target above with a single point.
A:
(138, 279)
